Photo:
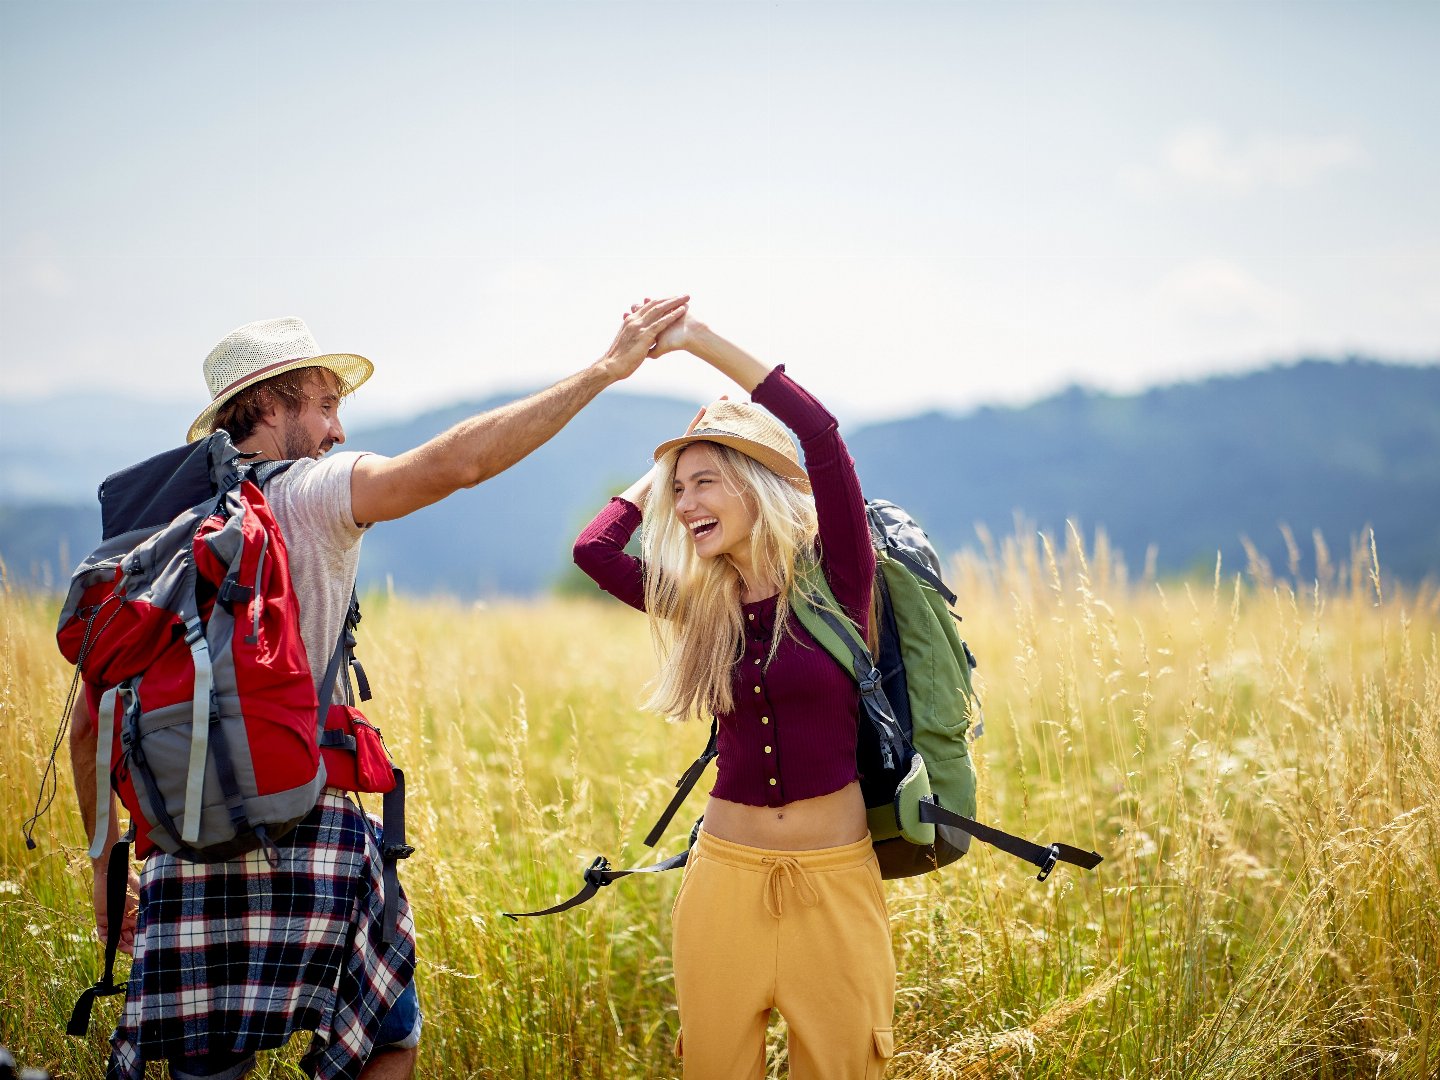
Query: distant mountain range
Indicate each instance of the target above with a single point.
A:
(1187, 469)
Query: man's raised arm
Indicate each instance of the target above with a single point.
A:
(476, 449)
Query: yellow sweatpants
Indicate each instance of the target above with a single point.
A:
(804, 932)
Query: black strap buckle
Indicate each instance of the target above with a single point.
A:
(598, 872)
(1052, 856)
(232, 592)
(396, 852)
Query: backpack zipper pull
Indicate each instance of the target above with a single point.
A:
(254, 637)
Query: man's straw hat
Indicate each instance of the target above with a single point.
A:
(261, 350)
(749, 429)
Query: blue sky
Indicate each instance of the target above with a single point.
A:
(913, 205)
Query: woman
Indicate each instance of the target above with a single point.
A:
(781, 904)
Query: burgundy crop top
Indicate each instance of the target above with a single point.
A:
(791, 735)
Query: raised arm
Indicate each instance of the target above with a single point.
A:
(474, 450)
(845, 552)
(720, 353)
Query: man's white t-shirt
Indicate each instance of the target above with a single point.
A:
(311, 503)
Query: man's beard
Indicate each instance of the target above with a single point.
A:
(298, 444)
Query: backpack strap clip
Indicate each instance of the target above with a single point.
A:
(597, 875)
(232, 592)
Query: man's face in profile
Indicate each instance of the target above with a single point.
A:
(315, 428)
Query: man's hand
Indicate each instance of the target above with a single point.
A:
(639, 332)
(102, 905)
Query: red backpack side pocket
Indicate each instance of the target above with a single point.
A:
(354, 752)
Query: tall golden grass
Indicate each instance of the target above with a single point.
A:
(1259, 763)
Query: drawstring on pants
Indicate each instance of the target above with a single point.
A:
(791, 871)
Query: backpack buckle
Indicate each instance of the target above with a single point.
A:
(231, 591)
(594, 875)
(1051, 858)
(396, 852)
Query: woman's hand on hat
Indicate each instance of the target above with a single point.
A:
(639, 329)
(701, 415)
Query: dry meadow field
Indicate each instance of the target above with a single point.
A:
(1259, 763)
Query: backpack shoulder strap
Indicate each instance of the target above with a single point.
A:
(686, 783)
(814, 604)
(265, 471)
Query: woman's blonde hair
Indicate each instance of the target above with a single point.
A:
(694, 603)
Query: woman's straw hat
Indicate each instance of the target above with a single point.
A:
(261, 350)
(750, 430)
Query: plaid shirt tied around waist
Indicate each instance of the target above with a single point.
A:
(237, 956)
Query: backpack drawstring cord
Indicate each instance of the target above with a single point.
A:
(50, 779)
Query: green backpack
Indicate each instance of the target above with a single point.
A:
(918, 778)
(920, 712)
(915, 692)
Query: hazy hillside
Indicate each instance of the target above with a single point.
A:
(1189, 468)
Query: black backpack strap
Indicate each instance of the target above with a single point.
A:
(596, 878)
(393, 848)
(117, 869)
(344, 652)
(264, 471)
(686, 784)
(1043, 857)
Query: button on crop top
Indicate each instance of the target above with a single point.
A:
(791, 734)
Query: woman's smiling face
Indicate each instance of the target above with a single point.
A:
(718, 518)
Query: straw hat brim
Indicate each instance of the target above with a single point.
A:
(351, 369)
(772, 459)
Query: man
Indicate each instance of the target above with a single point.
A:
(215, 978)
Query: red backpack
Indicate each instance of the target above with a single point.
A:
(187, 637)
